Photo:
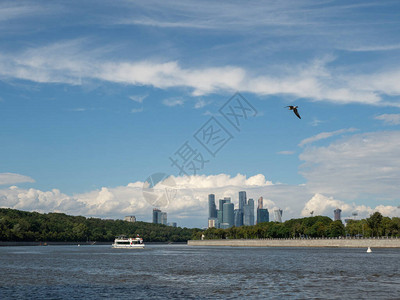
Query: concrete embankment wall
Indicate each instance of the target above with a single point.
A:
(341, 243)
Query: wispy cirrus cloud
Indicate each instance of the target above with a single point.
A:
(173, 102)
(137, 110)
(13, 178)
(201, 103)
(10, 10)
(375, 48)
(68, 62)
(389, 119)
(362, 165)
(325, 135)
(286, 152)
(138, 98)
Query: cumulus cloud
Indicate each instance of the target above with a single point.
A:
(188, 205)
(325, 135)
(12, 178)
(323, 205)
(363, 165)
(389, 119)
(186, 201)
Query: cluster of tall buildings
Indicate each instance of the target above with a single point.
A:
(160, 217)
(227, 216)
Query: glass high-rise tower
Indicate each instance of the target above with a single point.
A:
(262, 215)
(242, 205)
(228, 216)
(220, 213)
(212, 209)
(248, 216)
(278, 215)
(156, 216)
(260, 202)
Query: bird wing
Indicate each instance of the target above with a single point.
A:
(296, 113)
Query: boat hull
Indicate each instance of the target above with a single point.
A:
(141, 246)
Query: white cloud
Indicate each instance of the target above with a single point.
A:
(18, 9)
(322, 205)
(173, 102)
(316, 122)
(68, 62)
(325, 135)
(12, 178)
(375, 48)
(200, 104)
(79, 109)
(390, 119)
(189, 206)
(361, 166)
(138, 98)
(137, 110)
(286, 152)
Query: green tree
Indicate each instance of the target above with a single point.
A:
(336, 229)
(374, 222)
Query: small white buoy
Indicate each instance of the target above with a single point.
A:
(79, 245)
(369, 250)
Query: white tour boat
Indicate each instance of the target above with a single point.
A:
(123, 241)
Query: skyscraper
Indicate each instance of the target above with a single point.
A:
(262, 215)
(250, 204)
(228, 215)
(163, 217)
(212, 209)
(242, 205)
(278, 215)
(219, 217)
(156, 216)
(248, 214)
(242, 200)
(260, 202)
(220, 213)
(337, 212)
(237, 215)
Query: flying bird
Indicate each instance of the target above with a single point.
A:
(294, 108)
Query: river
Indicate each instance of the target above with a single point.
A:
(181, 271)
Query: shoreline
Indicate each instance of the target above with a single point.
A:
(327, 243)
(17, 244)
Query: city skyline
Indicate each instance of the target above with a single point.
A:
(93, 102)
(226, 216)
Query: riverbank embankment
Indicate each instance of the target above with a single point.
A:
(335, 243)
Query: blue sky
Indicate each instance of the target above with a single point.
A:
(97, 96)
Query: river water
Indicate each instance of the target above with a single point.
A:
(180, 271)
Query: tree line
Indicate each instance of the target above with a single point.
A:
(311, 227)
(16, 225)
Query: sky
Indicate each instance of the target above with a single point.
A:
(102, 100)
